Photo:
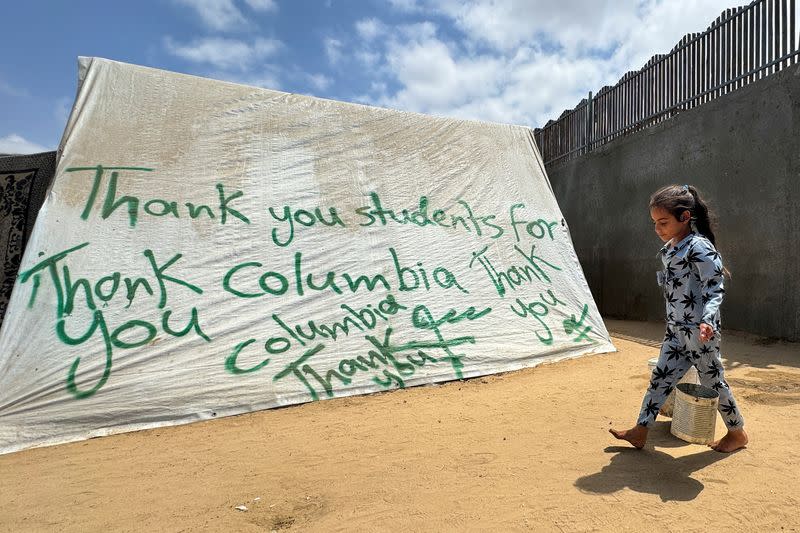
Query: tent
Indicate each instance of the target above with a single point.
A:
(208, 249)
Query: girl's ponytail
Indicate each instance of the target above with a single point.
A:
(702, 218)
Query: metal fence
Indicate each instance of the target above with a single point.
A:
(742, 45)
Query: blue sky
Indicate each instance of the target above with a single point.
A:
(511, 61)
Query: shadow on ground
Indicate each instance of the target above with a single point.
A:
(738, 348)
(650, 471)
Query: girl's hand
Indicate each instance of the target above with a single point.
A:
(706, 332)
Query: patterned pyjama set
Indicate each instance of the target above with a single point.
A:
(692, 282)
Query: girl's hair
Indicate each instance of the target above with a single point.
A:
(679, 198)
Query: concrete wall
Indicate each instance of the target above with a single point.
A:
(743, 152)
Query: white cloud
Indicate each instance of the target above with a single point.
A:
(417, 32)
(506, 24)
(367, 58)
(224, 53)
(369, 29)
(220, 15)
(522, 61)
(320, 82)
(333, 50)
(433, 80)
(15, 144)
(262, 5)
(266, 78)
(8, 89)
(405, 5)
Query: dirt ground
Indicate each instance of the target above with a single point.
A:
(526, 450)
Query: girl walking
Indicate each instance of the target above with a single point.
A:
(692, 283)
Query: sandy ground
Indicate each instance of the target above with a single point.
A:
(527, 450)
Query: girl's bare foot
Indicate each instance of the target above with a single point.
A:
(637, 435)
(732, 441)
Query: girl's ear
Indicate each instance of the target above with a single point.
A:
(685, 216)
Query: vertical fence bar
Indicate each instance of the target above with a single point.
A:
(753, 41)
(784, 34)
(647, 86)
(747, 45)
(580, 137)
(570, 135)
(670, 82)
(609, 119)
(739, 46)
(756, 38)
(597, 115)
(685, 71)
(653, 86)
(690, 71)
(776, 34)
(646, 92)
(700, 63)
(632, 98)
(651, 89)
(764, 58)
(612, 111)
(720, 55)
(588, 141)
(716, 51)
(728, 50)
(709, 64)
(702, 67)
(661, 91)
(792, 35)
(770, 40)
(745, 60)
(636, 99)
(629, 103)
(634, 102)
(695, 68)
(625, 95)
(678, 68)
(641, 78)
(603, 119)
(793, 30)
(617, 101)
(681, 64)
(661, 86)
(703, 62)
(576, 127)
(721, 58)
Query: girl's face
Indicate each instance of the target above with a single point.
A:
(669, 228)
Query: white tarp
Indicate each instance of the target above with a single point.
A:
(208, 249)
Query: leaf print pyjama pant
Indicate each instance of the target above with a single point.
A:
(680, 350)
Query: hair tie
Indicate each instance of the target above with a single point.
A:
(685, 187)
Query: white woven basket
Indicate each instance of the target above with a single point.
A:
(695, 414)
(689, 377)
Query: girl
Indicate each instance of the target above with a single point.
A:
(692, 284)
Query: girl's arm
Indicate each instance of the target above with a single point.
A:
(709, 266)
